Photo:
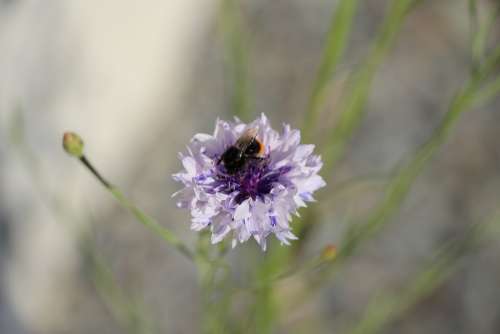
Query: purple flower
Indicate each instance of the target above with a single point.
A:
(259, 198)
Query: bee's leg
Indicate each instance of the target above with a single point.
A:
(259, 160)
(254, 157)
(219, 160)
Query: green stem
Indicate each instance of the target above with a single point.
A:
(266, 309)
(123, 308)
(234, 41)
(94, 171)
(474, 32)
(400, 185)
(382, 311)
(215, 303)
(336, 43)
(143, 218)
(352, 106)
(359, 88)
(481, 34)
(487, 93)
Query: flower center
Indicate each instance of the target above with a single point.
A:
(255, 180)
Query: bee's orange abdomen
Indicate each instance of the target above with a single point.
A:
(261, 148)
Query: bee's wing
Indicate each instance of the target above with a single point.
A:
(246, 138)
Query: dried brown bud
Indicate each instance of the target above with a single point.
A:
(329, 253)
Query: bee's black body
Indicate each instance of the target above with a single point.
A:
(233, 159)
(246, 147)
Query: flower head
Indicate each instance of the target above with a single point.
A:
(258, 198)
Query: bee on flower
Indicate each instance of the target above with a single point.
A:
(246, 180)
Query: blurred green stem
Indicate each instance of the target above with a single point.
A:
(124, 309)
(400, 185)
(234, 41)
(481, 31)
(382, 311)
(487, 93)
(213, 274)
(147, 221)
(265, 307)
(356, 185)
(206, 276)
(474, 32)
(336, 42)
(352, 106)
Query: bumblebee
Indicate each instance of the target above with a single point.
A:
(246, 148)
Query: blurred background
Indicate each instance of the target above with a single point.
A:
(138, 79)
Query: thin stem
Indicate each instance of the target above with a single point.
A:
(481, 34)
(359, 88)
(352, 106)
(336, 42)
(214, 295)
(474, 31)
(400, 185)
(123, 308)
(487, 93)
(234, 41)
(382, 311)
(94, 171)
(266, 309)
(143, 218)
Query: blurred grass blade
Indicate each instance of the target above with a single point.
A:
(474, 31)
(266, 309)
(487, 93)
(481, 32)
(150, 223)
(400, 185)
(237, 56)
(124, 309)
(353, 104)
(382, 311)
(336, 42)
(213, 273)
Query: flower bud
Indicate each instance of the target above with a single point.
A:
(73, 144)
(329, 253)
